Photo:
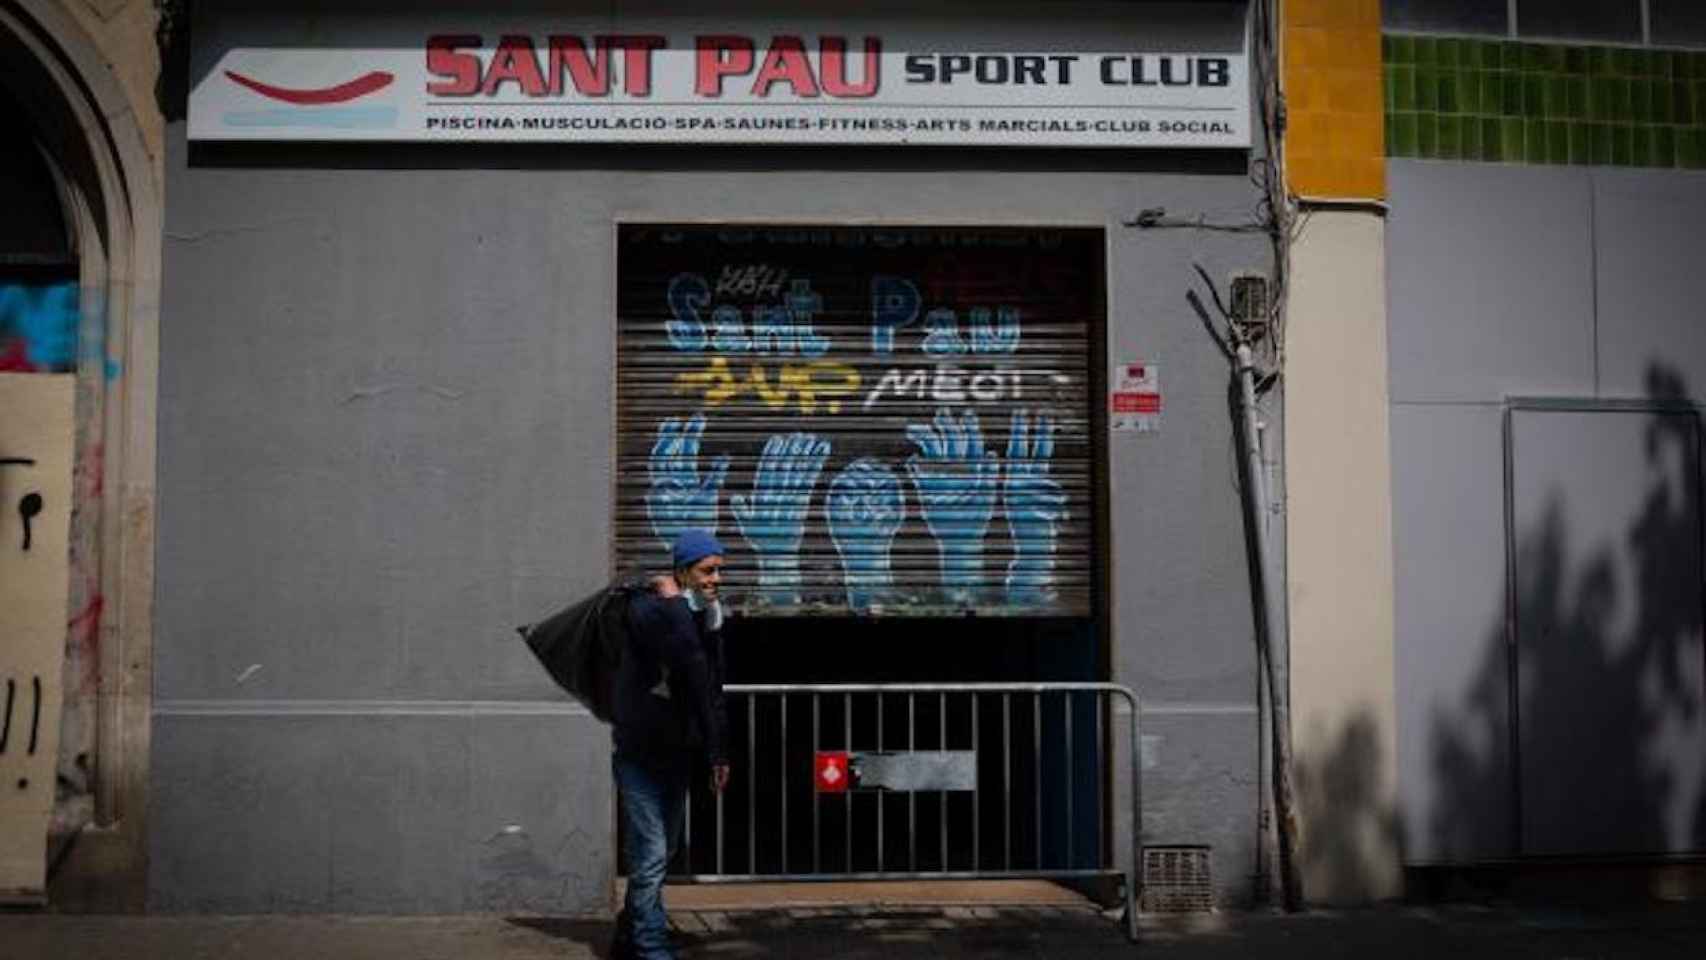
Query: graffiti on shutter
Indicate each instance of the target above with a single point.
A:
(874, 421)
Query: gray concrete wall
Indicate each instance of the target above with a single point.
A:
(386, 415)
(1509, 281)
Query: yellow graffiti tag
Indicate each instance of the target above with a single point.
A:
(804, 384)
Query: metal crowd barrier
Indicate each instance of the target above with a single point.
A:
(972, 758)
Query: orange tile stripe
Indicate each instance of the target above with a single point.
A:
(1336, 137)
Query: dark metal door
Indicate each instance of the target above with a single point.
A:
(874, 420)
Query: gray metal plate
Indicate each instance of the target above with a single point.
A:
(930, 770)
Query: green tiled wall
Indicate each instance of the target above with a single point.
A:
(1494, 101)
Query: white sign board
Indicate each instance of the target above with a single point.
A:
(1134, 397)
(1047, 75)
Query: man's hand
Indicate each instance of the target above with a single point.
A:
(665, 586)
(719, 777)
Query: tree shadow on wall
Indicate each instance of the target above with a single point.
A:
(1347, 856)
(1591, 748)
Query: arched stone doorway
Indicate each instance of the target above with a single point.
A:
(81, 262)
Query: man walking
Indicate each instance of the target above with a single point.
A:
(669, 719)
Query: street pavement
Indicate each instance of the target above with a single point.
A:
(890, 933)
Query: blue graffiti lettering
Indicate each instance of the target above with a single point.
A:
(999, 337)
(772, 331)
(804, 305)
(731, 331)
(773, 519)
(783, 330)
(680, 497)
(942, 333)
(942, 337)
(894, 304)
(865, 506)
(1035, 505)
(687, 295)
(957, 483)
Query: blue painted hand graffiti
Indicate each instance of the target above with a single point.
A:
(866, 506)
(956, 481)
(1035, 507)
(680, 497)
(773, 518)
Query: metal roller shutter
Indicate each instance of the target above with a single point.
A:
(874, 420)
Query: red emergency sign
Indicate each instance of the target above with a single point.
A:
(1136, 403)
(830, 772)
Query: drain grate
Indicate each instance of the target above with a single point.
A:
(1177, 879)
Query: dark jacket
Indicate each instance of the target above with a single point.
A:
(669, 645)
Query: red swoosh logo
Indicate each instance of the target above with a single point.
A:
(359, 87)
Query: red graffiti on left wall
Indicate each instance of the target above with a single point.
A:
(83, 640)
(85, 630)
(14, 357)
(91, 474)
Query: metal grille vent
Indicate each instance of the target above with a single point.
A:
(1177, 880)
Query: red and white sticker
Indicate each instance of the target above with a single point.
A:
(1134, 397)
(831, 772)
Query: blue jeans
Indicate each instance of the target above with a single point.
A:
(653, 801)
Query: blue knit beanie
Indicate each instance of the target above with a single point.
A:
(692, 546)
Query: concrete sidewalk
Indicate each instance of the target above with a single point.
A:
(889, 933)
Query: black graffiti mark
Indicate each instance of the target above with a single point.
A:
(35, 715)
(28, 508)
(6, 729)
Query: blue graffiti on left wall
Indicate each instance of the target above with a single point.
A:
(38, 327)
(680, 496)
